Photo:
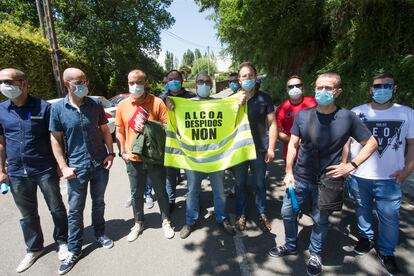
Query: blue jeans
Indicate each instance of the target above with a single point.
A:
(172, 175)
(148, 188)
(241, 173)
(319, 217)
(77, 191)
(138, 176)
(387, 196)
(194, 179)
(24, 190)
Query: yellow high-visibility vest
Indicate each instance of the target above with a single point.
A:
(208, 135)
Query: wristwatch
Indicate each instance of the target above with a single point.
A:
(112, 154)
(354, 164)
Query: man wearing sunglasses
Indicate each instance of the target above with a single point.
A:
(82, 145)
(24, 139)
(285, 113)
(379, 179)
(319, 135)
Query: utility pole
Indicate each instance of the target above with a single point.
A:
(40, 15)
(208, 60)
(55, 52)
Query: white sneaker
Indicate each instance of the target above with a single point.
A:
(149, 202)
(28, 260)
(135, 231)
(63, 251)
(168, 231)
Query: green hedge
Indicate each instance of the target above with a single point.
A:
(24, 48)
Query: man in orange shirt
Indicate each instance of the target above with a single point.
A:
(137, 173)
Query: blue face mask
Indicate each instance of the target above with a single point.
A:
(382, 95)
(203, 90)
(248, 85)
(174, 85)
(324, 97)
(81, 90)
(234, 86)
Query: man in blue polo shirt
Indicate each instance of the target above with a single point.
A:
(24, 139)
(79, 134)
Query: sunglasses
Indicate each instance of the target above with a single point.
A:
(299, 85)
(383, 85)
(8, 82)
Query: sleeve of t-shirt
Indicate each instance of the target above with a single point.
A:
(410, 134)
(102, 120)
(295, 127)
(163, 113)
(55, 124)
(279, 116)
(46, 116)
(118, 116)
(270, 107)
(358, 130)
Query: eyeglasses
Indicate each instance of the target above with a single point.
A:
(203, 82)
(330, 88)
(383, 85)
(9, 82)
(299, 85)
(79, 82)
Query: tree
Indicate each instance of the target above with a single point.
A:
(176, 62)
(188, 58)
(185, 69)
(201, 65)
(197, 54)
(169, 61)
(354, 38)
(115, 36)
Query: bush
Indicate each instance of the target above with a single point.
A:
(24, 48)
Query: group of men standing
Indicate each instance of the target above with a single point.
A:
(70, 139)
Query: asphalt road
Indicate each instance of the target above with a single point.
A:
(207, 251)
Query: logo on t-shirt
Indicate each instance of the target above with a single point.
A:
(387, 133)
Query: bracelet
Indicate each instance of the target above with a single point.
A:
(354, 164)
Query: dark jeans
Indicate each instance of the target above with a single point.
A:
(258, 169)
(137, 175)
(171, 185)
(77, 192)
(320, 218)
(24, 190)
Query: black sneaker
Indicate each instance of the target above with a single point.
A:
(68, 263)
(314, 266)
(363, 246)
(280, 251)
(228, 227)
(186, 231)
(389, 263)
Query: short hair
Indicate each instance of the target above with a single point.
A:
(331, 75)
(203, 73)
(178, 72)
(384, 75)
(136, 72)
(294, 77)
(247, 64)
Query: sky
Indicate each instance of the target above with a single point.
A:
(194, 30)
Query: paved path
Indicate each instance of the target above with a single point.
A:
(207, 251)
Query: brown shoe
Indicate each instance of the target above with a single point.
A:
(241, 223)
(265, 223)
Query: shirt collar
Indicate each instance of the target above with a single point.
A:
(29, 103)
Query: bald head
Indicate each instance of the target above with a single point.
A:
(73, 74)
(12, 74)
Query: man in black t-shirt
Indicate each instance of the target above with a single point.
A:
(320, 133)
(264, 131)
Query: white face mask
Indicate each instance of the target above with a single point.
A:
(10, 91)
(295, 93)
(137, 90)
(203, 90)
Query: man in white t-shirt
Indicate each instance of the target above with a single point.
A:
(379, 178)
